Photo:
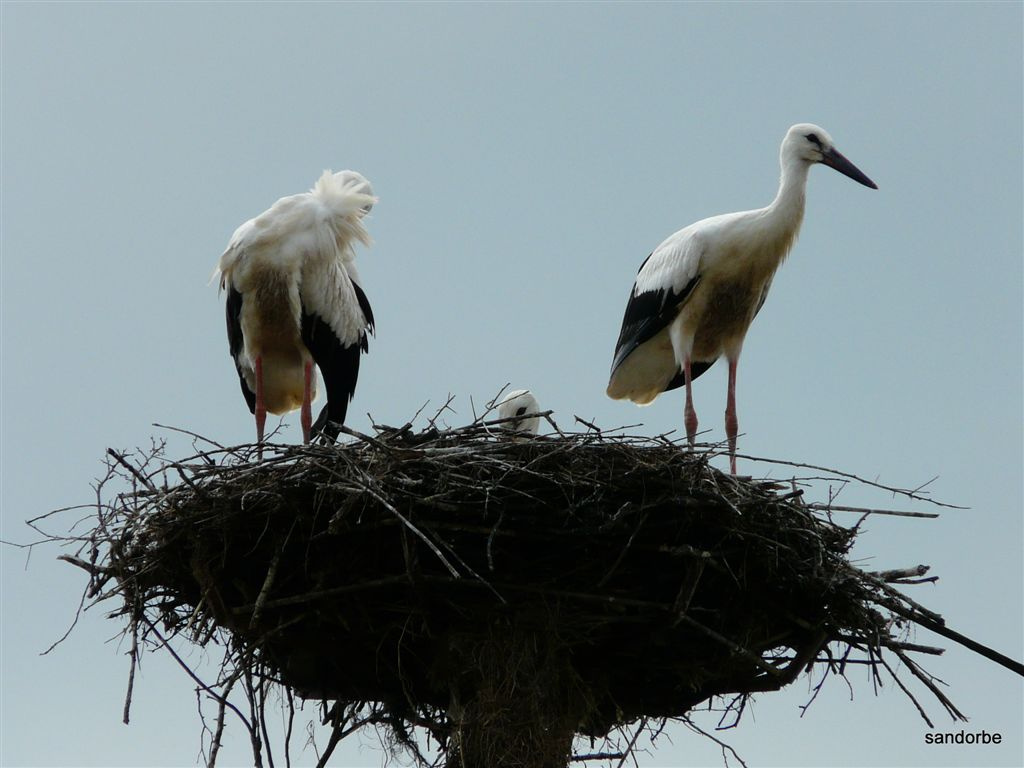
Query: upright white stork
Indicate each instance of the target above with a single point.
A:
(294, 299)
(697, 293)
(518, 405)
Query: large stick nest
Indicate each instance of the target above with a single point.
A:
(400, 569)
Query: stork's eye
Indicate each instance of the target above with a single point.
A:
(813, 138)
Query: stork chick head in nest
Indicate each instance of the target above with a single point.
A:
(521, 406)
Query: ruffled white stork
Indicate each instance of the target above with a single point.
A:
(697, 293)
(294, 299)
(518, 405)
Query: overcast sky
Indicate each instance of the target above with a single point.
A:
(527, 159)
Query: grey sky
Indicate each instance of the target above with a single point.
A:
(527, 159)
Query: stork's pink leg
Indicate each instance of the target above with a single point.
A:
(731, 422)
(689, 415)
(261, 407)
(307, 403)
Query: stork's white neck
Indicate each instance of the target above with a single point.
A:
(787, 209)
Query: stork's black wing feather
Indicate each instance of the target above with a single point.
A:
(338, 364)
(364, 305)
(647, 314)
(236, 342)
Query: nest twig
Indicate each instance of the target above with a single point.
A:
(452, 579)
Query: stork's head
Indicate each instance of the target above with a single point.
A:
(808, 143)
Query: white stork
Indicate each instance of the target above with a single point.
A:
(517, 405)
(294, 299)
(697, 293)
